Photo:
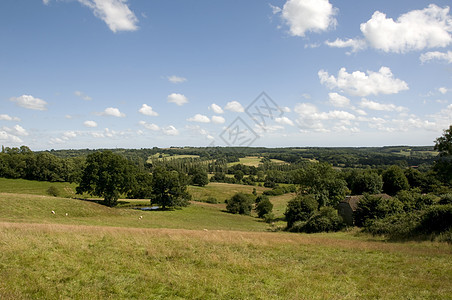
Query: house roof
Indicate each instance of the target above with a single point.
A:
(354, 200)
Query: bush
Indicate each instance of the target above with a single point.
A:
(53, 191)
(398, 225)
(300, 209)
(375, 207)
(212, 200)
(268, 218)
(436, 218)
(264, 207)
(445, 199)
(326, 219)
(240, 204)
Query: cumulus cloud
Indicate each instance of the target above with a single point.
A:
(443, 90)
(9, 138)
(170, 130)
(307, 16)
(150, 126)
(436, 55)
(90, 124)
(284, 121)
(19, 130)
(415, 30)
(147, 110)
(199, 118)
(178, 99)
(218, 120)
(112, 111)
(216, 108)
(338, 100)
(4, 117)
(355, 44)
(361, 84)
(176, 79)
(234, 106)
(82, 96)
(380, 106)
(310, 118)
(30, 102)
(115, 13)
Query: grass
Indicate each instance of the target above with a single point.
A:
(161, 156)
(84, 262)
(222, 191)
(199, 252)
(23, 186)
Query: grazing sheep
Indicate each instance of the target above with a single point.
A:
(53, 212)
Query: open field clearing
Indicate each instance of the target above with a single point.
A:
(222, 191)
(54, 261)
(38, 209)
(22, 186)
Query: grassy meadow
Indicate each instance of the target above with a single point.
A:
(198, 252)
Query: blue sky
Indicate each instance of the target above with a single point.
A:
(138, 74)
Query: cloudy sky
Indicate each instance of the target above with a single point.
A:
(131, 73)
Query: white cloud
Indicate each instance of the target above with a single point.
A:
(4, 117)
(82, 96)
(436, 55)
(46, 2)
(30, 102)
(338, 100)
(16, 130)
(115, 13)
(380, 106)
(147, 110)
(218, 120)
(170, 130)
(69, 135)
(234, 106)
(216, 108)
(361, 84)
(415, 30)
(179, 99)
(285, 109)
(355, 44)
(176, 79)
(91, 124)
(9, 138)
(308, 16)
(443, 90)
(310, 118)
(150, 126)
(199, 118)
(112, 111)
(284, 121)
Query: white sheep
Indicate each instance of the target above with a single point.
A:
(53, 212)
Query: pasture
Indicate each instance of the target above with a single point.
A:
(199, 252)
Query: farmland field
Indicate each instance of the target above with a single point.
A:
(200, 252)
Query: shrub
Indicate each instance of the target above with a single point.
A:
(326, 219)
(300, 209)
(264, 207)
(260, 198)
(212, 200)
(268, 218)
(375, 207)
(53, 191)
(445, 199)
(436, 218)
(240, 204)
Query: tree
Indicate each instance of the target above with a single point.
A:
(107, 175)
(361, 182)
(443, 165)
(372, 207)
(300, 208)
(142, 187)
(240, 204)
(199, 176)
(169, 188)
(394, 180)
(264, 207)
(238, 175)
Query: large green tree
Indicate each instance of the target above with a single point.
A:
(107, 175)
(443, 165)
(169, 188)
(394, 180)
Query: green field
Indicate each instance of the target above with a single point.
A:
(198, 252)
(161, 156)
